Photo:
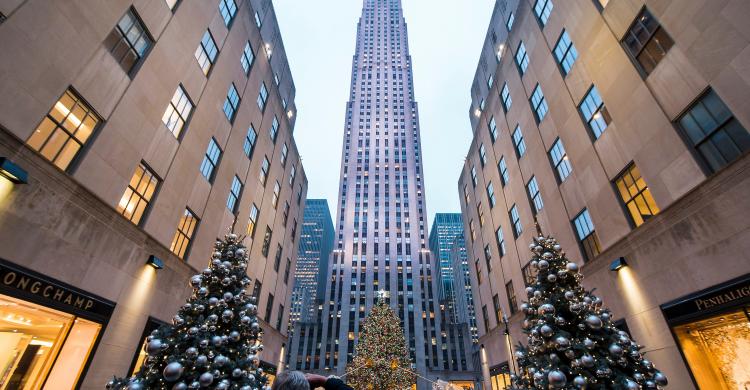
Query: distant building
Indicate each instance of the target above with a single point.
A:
(445, 227)
(146, 129)
(621, 128)
(464, 311)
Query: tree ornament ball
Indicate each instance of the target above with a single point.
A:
(195, 385)
(206, 379)
(543, 264)
(587, 361)
(547, 308)
(552, 278)
(191, 352)
(180, 386)
(173, 371)
(562, 342)
(557, 247)
(547, 255)
(579, 381)
(572, 267)
(153, 346)
(570, 354)
(660, 379)
(594, 322)
(546, 331)
(588, 343)
(569, 295)
(557, 379)
(615, 350)
(196, 281)
(135, 386)
(201, 361)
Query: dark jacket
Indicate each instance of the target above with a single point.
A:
(336, 384)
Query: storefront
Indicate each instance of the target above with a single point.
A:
(48, 330)
(500, 377)
(712, 330)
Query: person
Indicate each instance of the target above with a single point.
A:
(296, 380)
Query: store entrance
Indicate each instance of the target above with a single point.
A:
(42, 348)
(717, 350)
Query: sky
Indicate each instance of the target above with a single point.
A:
(444, 40)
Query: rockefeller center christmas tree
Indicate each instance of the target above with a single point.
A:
(214, 341)
(572, 341)
(381, 358)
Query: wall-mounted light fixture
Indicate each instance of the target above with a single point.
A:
(618, 264)
(155, 262)
(12, 172)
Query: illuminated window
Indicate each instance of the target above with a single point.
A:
(64, 131)
(234, 194)
(636, 195)
(511, 297)
(262, 97)
(206, 52)
(128, 42)
(500, 378)
(210, 160)
(252, 221)
(177, 112)
(594, 112)
(140, 358)
(515, 220)
(587, 235)
(250, 140)
(560, 160)
(502, 167)
(472, 230)
(263, 177)
(274, 130)
(276, 192)
(231, 103)
(184, 234)
(518, 142)
(248, 56)
(505, 97)
(492, 127)
(539, 103)
(466, 194)
(137, 197)
(647, 42)
(565, 53)
(522, 58)
(536, 197)
(227, 9)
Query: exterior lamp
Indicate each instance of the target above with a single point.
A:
(155, 262)
(618, 264)
(12, 172)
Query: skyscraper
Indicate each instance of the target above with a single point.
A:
(315, 246)
(381, 242)
(445, 228)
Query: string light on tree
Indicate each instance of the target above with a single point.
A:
(214, 339)
(572, 341)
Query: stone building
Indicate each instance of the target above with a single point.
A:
(132, 135)
(621, 127)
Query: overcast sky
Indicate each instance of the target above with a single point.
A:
(445, 38)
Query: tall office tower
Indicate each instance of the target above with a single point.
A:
(315, 246)
(132, 135)
(456, 337)
(621, 127)
(464, 311)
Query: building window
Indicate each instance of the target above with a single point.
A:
(292, 174)
(206, 52)
(474, 176)
(485, 319)
(65, 130)
(280, 319)
(232, 103)
(511, 297)
(478, 270)
(714, 132)
(276, 193)
(536, 197)
(184, 234)
(498, 310)
(285, 214)
(137, 197)
(258, 21)
(587, 235)
(565, 53)
(284, 154)
(482, 155)
(274, 130)
(509, 22)
(234, 194)
(129, 41)
(503, 168)
(177, 112)
(500, 240)
(472, 230)
(481, 105)
(466, 194)
(210, 160)
(266, 241)
(636, 195)
(262, 97)
(480, 213)
(491, 195)
(518, 141)
(647, 42)
(252, 221)
(277, 258)
(560, 160)
(515, 220)
(488, 257)
(594, 112)
(490, 82)
(492, 126)
(542, 9)
(227, 9)
(505, 97)
(264, 171)
(539, 104)
(522, 59)
(529, 274)
(248, 56)
(250, 139)
(287, 270)
(269, 308)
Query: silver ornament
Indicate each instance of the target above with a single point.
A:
(630, 385)
(191, 352)
(216, 341)
(179, 386)
(557, 247)
(579, 381)
(153, 346)
(234, 335)
(227, 315)
(547, 255)
(201, 361)
(588, 343)
(237, 372)
(206, 378)
(173, 371)
(660, 379)
(557, 379)
(569, 295)
(594, 322)
(196, 281)
(615, 350)
(587, 361)
(546, 331)
(572, 267)
(546, 309)
(543, 264)
(220, 361)
(135, 386)
(562, 343)
(552, 278)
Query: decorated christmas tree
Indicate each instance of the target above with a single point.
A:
(214, 341)
(381, 358)
(572, 340)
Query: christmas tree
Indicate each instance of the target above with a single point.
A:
(572, 341)
(215, 338)
(381, 358)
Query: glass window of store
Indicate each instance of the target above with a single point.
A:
(500, 377)
(151, 325)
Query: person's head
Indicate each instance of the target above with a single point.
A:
(290, 380)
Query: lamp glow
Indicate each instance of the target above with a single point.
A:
(155, 262)
(12, 172)
(618, 264)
